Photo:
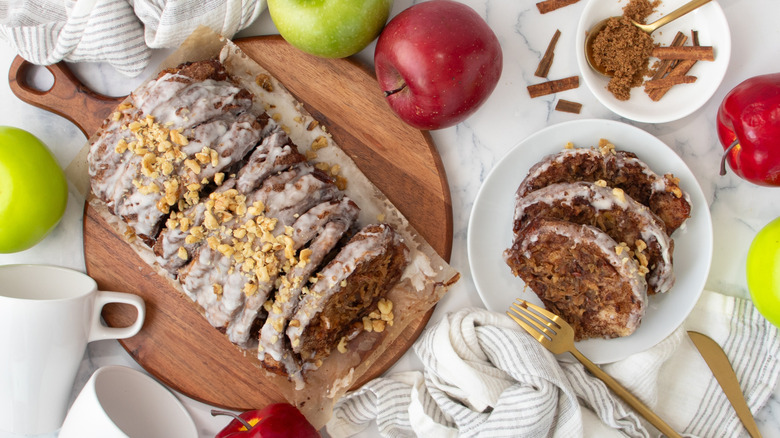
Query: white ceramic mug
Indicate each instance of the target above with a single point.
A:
(121, 402)
(48, 314)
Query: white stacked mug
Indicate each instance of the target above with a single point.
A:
(120, 402)
(48, 315)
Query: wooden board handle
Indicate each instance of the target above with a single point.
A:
(67, 97)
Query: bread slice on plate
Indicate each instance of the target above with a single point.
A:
(579, 273)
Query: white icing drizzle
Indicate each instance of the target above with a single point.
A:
(195, 109)
(159, 91)
(198, 102)
(658, 184)
(287, 296)
(661, 276)
(284, 196)
(266, 160)
(300, 195)
(172, 238)
(365, 246)
(325, 223)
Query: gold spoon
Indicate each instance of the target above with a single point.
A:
(649, 28)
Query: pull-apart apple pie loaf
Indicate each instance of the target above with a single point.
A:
(263, 240)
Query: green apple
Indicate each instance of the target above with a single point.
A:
(763, 271)
(33, 190)
(330, 28)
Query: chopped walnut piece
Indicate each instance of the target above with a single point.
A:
(367, 324)
(250, 289)
(193, 166)
(606, 148)
(166, 167)
(642, 259)
(341, 182)
(129, 234)
(264, 81)
(319, 143)
(178, 138)
(619, 194)
(378, 325)
(385, 306)
(342, 347)
(121, 146)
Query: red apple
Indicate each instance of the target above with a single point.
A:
(437, 61)
(277, 420)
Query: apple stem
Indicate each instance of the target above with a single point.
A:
(216, 412)
(388, 93)
(725, 155)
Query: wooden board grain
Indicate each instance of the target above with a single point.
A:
(176, 344)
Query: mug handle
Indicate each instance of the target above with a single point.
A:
(99, 331)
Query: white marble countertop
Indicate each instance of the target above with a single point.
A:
(470, 149)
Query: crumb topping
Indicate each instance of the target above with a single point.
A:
(160, 149)
(606, 148)
(264, 81)
(246, 236)
(378, 319)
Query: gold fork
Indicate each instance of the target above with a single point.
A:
(557, 335)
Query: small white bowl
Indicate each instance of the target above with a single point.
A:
(120, 402)
(681, 100)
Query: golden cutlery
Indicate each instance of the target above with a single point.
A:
(557, 335)
(724, 373)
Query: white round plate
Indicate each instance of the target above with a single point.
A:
(681, 100)
(490, 231)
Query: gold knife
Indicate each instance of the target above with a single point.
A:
(721, 367)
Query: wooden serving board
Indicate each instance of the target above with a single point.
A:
(177, 345)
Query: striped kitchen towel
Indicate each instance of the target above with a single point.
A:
(483, 376)
(118, 32)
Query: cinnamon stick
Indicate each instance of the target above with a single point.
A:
(669, 81)
(568, 106)
(555, 86)
(666, 65)
(698, 53)
(681, 69)
(544, 65)
(551, 5)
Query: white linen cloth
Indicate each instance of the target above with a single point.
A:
(118, 32)
(484, 376)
